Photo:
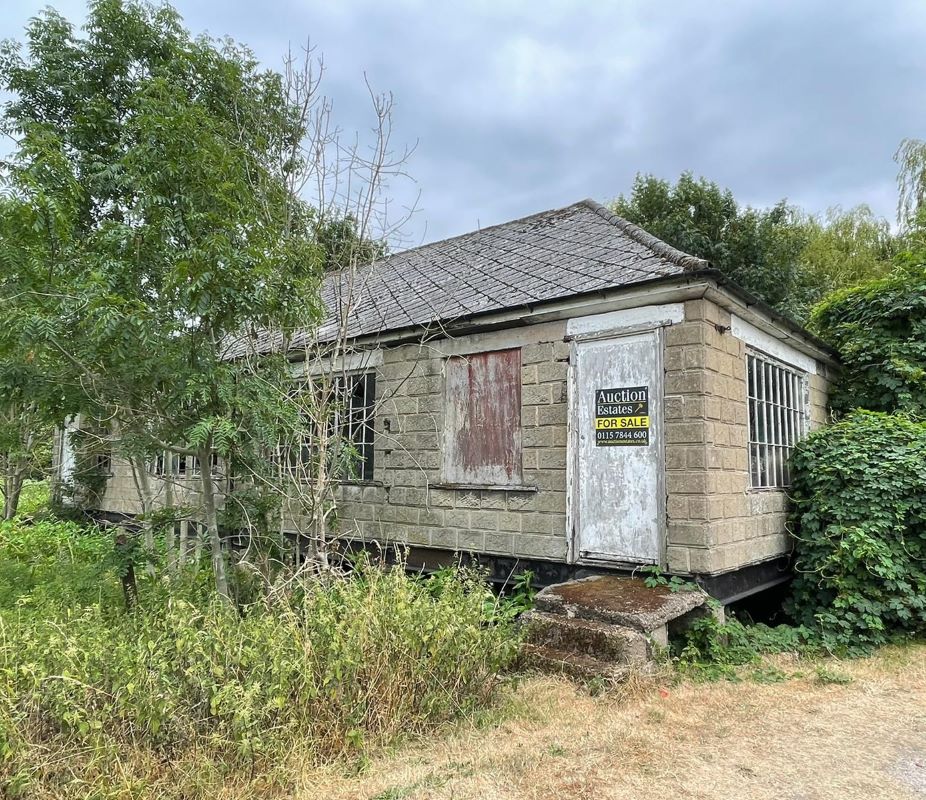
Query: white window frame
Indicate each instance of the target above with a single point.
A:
(778, 417)
(182, 466)
(353, 419)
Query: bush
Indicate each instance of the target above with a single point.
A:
(859, 515)
(50, 566)
(34, 498)
(879, 329)
(713, 650)
(341, 663)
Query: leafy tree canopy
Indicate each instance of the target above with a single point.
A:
(33, 393)
(343, 245)
(780, 254)
(758, 249)
(879, 329)
(158, 172)
(845, 248)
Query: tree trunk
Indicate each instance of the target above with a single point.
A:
(143, 485)
(183, 545)
(175, 565)
(198, 547)
(212, 525)
(12, 489)
(321, 486)
(127, 570)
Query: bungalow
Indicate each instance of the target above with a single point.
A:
(567, 392)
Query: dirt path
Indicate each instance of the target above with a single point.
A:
(803, 739)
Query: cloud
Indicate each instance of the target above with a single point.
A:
(520, 106)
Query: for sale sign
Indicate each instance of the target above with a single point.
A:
(622, 416)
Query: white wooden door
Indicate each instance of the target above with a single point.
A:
(618, 500)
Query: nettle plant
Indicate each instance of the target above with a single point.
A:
(859, 515)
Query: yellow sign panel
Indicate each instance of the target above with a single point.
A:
(620, 423)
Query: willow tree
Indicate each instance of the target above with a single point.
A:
(911, 180)
(845, 248)
(170, 163)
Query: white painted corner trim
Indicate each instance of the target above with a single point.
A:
(776, 348)
(655, 316)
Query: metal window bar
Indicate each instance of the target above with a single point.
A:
(351, 420)
(777, 397)
(753, 422)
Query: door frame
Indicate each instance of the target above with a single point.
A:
(572, 450)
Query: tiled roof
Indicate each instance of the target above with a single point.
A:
(547, 256)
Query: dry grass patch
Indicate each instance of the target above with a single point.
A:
(838, 729)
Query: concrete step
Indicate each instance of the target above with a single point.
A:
(620, 600)
(600, 640)
(573, 665)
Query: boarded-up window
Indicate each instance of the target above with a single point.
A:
(482, 434)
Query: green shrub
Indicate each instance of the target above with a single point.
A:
(712, 650)
(34, 498)
(51, 565)
(339, 663)
(859, 516)
(879, 329)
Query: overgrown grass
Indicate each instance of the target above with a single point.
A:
(33, 498)
(185, 694)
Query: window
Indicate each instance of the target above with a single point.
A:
(777, 419)
(482, 435)
(351, 406)
(103, 462)
(194, 465)
(183, 466)
(353, 419)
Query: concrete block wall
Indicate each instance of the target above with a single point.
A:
(716, 523)
(121, 495)
(408, 502)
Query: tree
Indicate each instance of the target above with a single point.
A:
(170, 163)
(845, 249)
(757, 248)
(182, 256)
(29, 398)
(879, 329)
(343, 245)
(782, 255)
(911, 185)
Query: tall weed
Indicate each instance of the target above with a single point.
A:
(339, 664)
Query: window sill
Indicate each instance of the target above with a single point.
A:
(483, 487)
(766, 489)
(358, 482)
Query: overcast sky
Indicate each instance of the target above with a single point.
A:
(518, 107)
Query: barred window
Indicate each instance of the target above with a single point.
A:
(349, 421)
(354, 420)
(777, 419)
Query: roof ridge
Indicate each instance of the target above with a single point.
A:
(635, 232)
(467, 234)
